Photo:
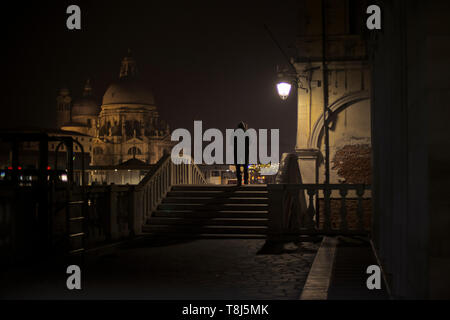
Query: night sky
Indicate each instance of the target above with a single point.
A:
(210, 61)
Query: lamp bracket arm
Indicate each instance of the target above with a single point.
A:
(298, 81)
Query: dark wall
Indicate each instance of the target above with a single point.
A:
(438, 142)
(411, 221)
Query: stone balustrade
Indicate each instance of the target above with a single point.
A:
(310, 209)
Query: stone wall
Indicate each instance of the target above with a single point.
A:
(348, 87)
(353, 163)
(411, 147)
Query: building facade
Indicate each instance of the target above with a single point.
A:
(125, 126)
(348, 87)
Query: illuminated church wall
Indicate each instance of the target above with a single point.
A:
(125, 126)
(348, 95)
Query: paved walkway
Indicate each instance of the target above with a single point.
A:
(339, 271)
(348, 282)
(201, 269)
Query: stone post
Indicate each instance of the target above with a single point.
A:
(276, 212)
(136, 215)
(309, 162)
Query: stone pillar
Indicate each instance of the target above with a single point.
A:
(308, 157)
(303, 119)
(309, 162)
(136, 211)
(275, 231)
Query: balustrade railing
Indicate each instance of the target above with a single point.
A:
(109, 212)
(348, 210)
(297, 208)
(155, 185)
(117, 211)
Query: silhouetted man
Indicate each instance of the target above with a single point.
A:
(242, 125)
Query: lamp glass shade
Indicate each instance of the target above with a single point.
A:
(284, 88)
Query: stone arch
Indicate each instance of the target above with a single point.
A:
(134, 151)
(336, 107)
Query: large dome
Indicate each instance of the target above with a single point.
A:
(128, 91)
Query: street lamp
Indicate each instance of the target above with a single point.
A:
(284, 88)
(286, 80)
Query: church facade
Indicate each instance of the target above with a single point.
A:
(125, 126)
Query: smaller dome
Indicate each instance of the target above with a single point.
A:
(86, 105)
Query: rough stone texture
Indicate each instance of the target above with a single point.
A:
(202, 269)
(353, 163)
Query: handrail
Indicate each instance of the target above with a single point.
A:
(153, 170)
(158, 181)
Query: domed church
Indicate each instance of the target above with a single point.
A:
(125, 126)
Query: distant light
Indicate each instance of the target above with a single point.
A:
(19, 167)
(49, 168)
(115, 170)
(64, 177)
(271, 170)
(10, 168)
(284, 88)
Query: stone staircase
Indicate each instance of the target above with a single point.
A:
(211, 211)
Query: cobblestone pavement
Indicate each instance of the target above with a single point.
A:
(201, 269)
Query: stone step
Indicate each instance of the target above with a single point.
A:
(214, 207)
(186, 229)
(210, 214)
(223, 188)
(208, 222)
(211, 210)
(215, 200)
(218, 194)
